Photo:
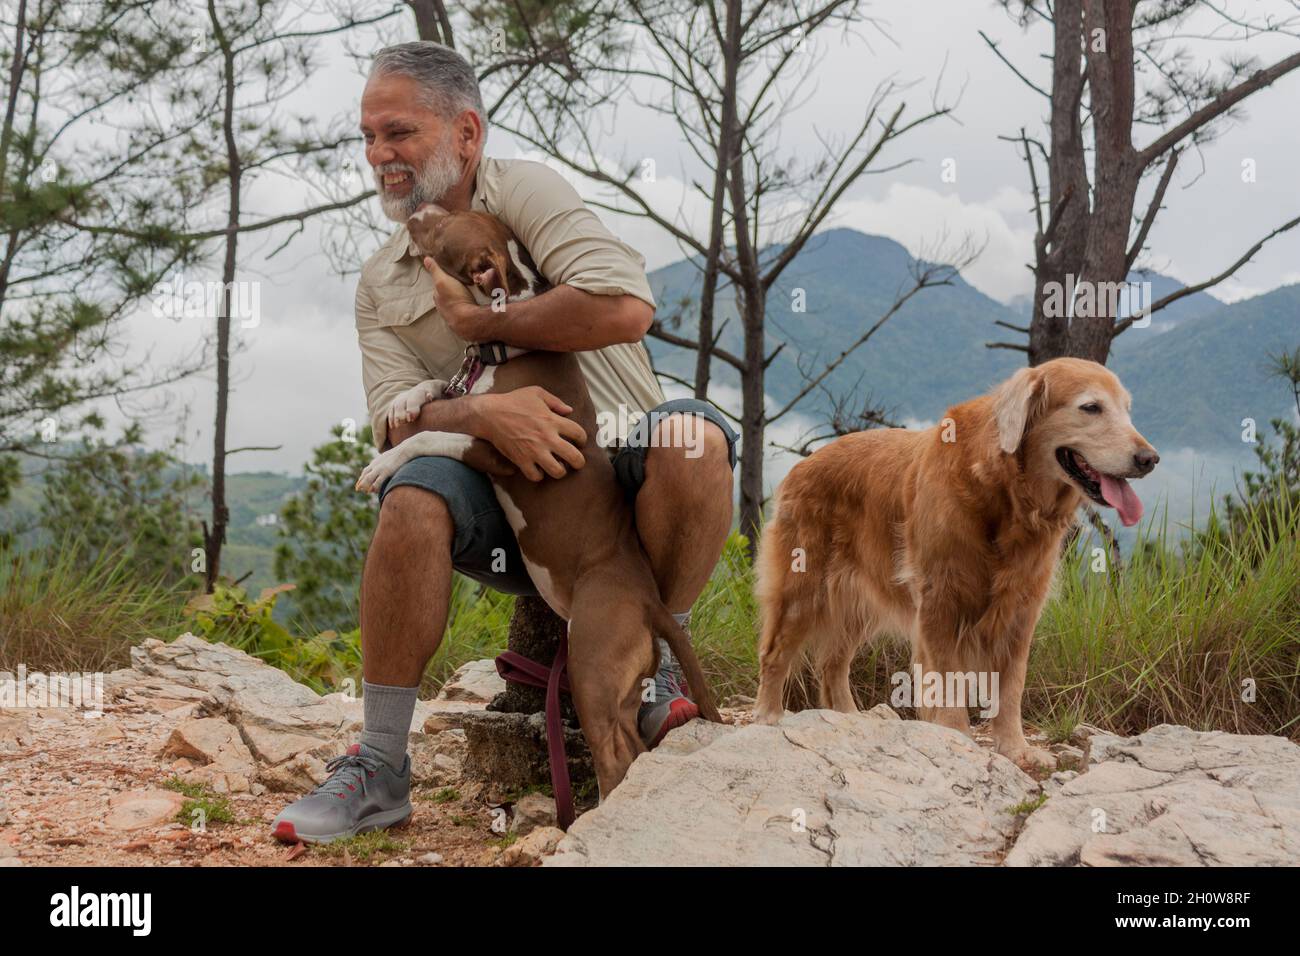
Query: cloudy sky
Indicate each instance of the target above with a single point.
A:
(298, 371)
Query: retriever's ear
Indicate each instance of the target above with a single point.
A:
(1015, 403)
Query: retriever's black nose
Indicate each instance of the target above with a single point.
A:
(1145, 460)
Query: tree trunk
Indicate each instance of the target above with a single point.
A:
(1116, 171)
(753, 419)
(751, 301)
(215, 534)
(535, 632)
(1059, 253)
(726, 138)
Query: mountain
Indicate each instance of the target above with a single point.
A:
(928, 356)
(1193, 386)
(1195, 373)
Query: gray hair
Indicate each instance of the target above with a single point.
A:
(447, 82)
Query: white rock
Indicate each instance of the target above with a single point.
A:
(477, 682)
(820, 788)
(1173, 797)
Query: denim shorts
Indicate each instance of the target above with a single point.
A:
(484, 548)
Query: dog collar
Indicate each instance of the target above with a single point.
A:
(478, 357)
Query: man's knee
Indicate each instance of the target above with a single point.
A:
(691, 439)
(413, 517)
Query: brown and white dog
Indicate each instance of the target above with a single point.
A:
(949, 536)
(576, 533)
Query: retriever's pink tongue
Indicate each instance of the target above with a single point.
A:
(1119, 494)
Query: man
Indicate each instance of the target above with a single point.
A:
(424, 125)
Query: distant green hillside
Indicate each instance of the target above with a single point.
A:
(250, 546)
(1193, 386)
(249, 495)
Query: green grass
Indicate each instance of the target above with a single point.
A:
(214, 807)
(1175, 636)
(363, 846)
(60, 614)
(445, 795)
(193, 790)
(1028, 806)
(477, 624)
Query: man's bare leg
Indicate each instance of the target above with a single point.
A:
(406, 587)
(683, 510)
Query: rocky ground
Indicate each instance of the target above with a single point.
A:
(199, 746)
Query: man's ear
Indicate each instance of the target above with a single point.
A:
(1016, 402)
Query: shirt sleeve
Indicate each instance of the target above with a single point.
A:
(388, 366)
(568, 242)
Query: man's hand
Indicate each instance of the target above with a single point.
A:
(528, 427)
(456, 305)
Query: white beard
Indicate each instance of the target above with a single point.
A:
(430, 183)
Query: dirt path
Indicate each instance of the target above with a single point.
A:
(79, 791)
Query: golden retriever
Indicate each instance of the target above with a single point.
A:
(948, 535)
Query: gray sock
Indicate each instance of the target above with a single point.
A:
(684, 619)
(387, 714)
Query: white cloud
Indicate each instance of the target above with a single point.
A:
(920, 218)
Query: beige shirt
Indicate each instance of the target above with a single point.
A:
(404, 341)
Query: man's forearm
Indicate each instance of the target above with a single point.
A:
(461, 415)
(565, 319)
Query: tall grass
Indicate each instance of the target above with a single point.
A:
(61, 613)
(1204, 633)
(1186, 636)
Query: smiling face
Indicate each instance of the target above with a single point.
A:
(417, 155)
(1072, 416)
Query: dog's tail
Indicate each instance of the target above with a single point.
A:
(663, 624)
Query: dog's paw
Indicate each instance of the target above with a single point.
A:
(379, 470)
(1030, 759)
(769, 717)
(406, 407)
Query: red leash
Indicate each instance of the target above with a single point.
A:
(518, 669)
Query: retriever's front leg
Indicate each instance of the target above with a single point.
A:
(937, 652)
(1006, 631)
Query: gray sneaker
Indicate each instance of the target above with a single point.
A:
(670, 707)
(362, 794)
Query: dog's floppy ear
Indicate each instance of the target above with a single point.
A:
(1015, 402)
(496, 276)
